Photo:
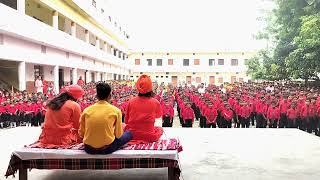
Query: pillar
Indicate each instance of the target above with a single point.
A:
(111, 50)
(21, 6)
(56, 79)
(97, 76)
(97, 43)
(55, 19)
(105, 46)
(74, 75)
(22, 76)
(87, 36)
(73, 29)
(88, 77)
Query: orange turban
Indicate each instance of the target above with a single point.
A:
(144, 84)
(75, 91)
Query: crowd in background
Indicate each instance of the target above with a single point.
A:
(237, 105)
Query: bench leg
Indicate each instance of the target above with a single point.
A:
(171, 175)
(23, 173)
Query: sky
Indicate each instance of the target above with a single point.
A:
(191, 25)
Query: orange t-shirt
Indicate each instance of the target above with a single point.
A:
(60, 128)
(140, 117)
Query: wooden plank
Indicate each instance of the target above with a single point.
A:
(171, 175)
(23, 173)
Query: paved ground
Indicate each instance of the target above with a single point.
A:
(226, 154)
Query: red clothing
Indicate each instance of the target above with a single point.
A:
(211, 115)
(283, 105)
(292, 113)
(167, 111)
(245, 111)
(140, 117)
(188, 113)
(273, 113)
(227, 114)
(80, 82)
(60, 128)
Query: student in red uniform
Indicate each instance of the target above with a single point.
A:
(311, 116)
(261, 109)
(188, 115)
(210, 115)
(273, 115)
(245, 113)
(141, 114)
(227, 115)
(292, 116)
(283, 105)
(167, 114)
(303, 113)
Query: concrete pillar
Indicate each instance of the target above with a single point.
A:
(111, 50)
(97, 76)
(87, 76)
(74, 75)
(55, 19)
(73, 29)
(104, 46)
(56, 79)
(87, 36)
(21, 6)
(22, 76)
(97, 43)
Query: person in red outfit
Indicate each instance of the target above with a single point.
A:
(227, 115)
(273, 115)
(60, 129)
(167, 114)
(292, 116)
(141, 114)
(245, 112)
(210, 114)
(188, 115)
(80, 82)
(283, 105)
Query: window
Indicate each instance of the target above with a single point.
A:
(94, 4)
(157, 76)
(114, 52)
(234, 62)
(102, 11)
(161, 76)
(159, 62)
(110, 18)
(220, 61)
(167, 76)
(170, 61)
(67, 55)
(38, 71)
(137, 62)
(1, 39)
(220, 80)
(167, 72)
(211, 62)
(185, 62)
(141, 72)
(197, 62)
(149, 62)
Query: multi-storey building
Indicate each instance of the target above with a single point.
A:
(191, 67)
(60, 40)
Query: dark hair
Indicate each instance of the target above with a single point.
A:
(57, 102)
(103, 90)
(148, 94)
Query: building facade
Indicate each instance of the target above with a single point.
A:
(60, 40)
(191, 67)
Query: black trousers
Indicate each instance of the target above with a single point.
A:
(273, 123)
(292, 123)
(245, 122)
(237, 121)
(211, 125)
(252, 118)
(166, 121)
(310, 124)
(226, 123)
(283, 123)
(303, 124)
(202, 121)
(261, 122)
(188, 123)
(219, 120)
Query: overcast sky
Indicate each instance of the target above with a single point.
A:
(190, 25)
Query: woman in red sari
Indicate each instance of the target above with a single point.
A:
(61, 124)
(141, 114)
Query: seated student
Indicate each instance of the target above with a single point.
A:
(141, 113)
(101, 125)
(60, 128)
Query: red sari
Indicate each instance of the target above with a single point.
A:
(60, 128)
(140, 117)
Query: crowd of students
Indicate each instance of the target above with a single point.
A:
(246, 105)
(238, 105)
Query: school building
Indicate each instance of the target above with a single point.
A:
(60, 40)
(179, 68)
